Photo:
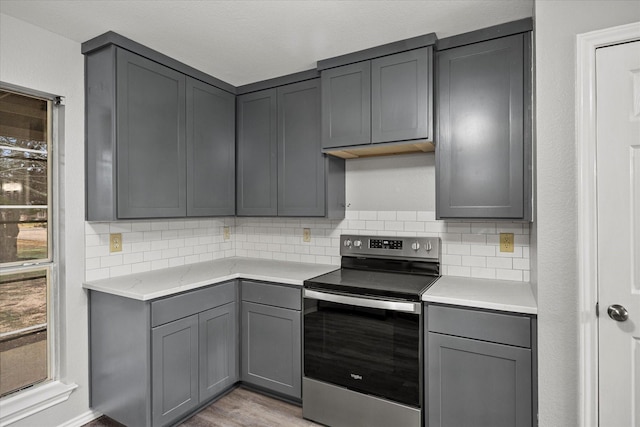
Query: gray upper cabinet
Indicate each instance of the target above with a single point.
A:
(483, 164)
(281, 170)
(210, 150)
(151, 168)
(401, 96)
(301, 166)
(346, 105)
(159, 143)
(386, 99)
(257, 163)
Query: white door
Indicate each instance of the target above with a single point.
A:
(618, 187)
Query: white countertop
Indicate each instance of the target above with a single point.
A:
(155, 284)
(483, 293)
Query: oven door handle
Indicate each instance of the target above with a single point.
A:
(406, 307)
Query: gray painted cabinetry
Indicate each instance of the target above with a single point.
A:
(483, 163)
(153, 363)
(281, 170)
(159, 143)
(271, 338)
(480, 368)
(385, 99)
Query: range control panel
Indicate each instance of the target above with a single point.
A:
(385, 244)
(392, 247)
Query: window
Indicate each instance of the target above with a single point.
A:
(26, 247)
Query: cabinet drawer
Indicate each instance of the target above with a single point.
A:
(481, 325)
(183, 305)
(275, 295)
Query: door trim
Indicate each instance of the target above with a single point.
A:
(585, 99)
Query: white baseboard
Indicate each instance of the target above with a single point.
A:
(82, 419)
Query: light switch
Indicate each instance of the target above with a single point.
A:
(506, 242)
(115, 242)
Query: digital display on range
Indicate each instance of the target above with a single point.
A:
(385, 244)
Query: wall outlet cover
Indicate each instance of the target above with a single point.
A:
(306, 234)
(115, 242)
(506, 242)
(226, 232)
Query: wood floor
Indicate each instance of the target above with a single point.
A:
(240, 408)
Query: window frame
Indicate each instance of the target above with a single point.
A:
(42, 395)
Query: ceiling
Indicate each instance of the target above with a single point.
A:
(243, 42)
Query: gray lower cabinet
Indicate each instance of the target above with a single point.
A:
(480, 368)
(386, 99)
(159, 143)
(174, 364)
(219, 331)
(483, 150)
(271, 338)
(152, 363)
(281, 170)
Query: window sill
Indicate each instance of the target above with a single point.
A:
(28, 402)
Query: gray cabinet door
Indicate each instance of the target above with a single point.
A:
(174, 364)
(477, 383)
(151, 176)
(480, 151)
(346, 105)
(301, 169)
(401, 96)
(218, 329)
(211, 150)
(257, 163)
(271, 348)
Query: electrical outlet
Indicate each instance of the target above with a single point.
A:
(506, 242)
(226, 232)
(115, 242)
(306, 234)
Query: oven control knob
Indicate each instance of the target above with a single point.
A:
(357, 244)
(428, 247)
(415, 246)
(347, 243)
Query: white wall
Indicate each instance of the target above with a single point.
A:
(37, 59)
(556, 25)
(392, 183)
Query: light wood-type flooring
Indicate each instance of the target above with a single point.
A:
(240, 408)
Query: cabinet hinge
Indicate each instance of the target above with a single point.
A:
(597, 309)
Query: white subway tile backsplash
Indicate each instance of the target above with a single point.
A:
(509, 275)
(406, 215)
(474, 261)
(505, 263)
(415, 226)
(457, 249)
(368, 215)
(387, 215)
(479, 250)
(483, 273)
(483, 227)
(454, 270)
(470, 249)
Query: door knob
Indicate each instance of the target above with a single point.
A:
(618, 312)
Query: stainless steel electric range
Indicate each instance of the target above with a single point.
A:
(363, 333)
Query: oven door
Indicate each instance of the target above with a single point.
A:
(366, 345)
